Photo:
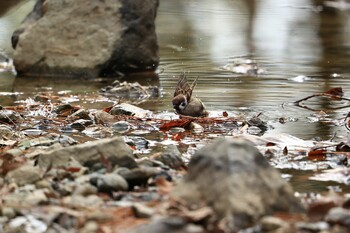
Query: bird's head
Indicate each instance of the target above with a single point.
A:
(180, 102)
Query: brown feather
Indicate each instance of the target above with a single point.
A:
(183, 87)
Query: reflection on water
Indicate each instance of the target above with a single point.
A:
(288, 38)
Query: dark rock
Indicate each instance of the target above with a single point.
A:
(129, 110)
(171, 157)
(339, 216)
(138, 142)
(80, 114)
(110, 183)
(104, 39)
(237, 182)
(81, 124)
(138, 176)
(114, 150)
(9, 116)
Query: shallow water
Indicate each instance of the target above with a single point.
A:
(302, 50)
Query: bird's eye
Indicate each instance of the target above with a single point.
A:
(183, 105)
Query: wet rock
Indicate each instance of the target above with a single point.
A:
(121, 126)
(171, 157)
(339, 216)
(80, 114)
(234, 179)
(23, 175)
(109, 183)
(130, 90)
(115, 150)
(82, 47)
(81, 124)
(138, 142)
(137, 176)
(9, 116)
(102, 117)
(129, 110)
(244, 66)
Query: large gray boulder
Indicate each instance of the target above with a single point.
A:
(233, 178)
(87, 38)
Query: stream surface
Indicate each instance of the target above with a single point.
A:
(301, 49)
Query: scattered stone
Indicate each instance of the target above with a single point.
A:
(142, 211)
(110, 183)
(171, 157)
(81, 124)
(72, 51)
(339, 216)
(90, 227)
(102, 117)
(237, 181)
(47, 140)
(26, 196)
(244, 66)
(169, 225)
(78, 201)
(85, 189)
(130, 90)
(270, 223)
(23, 175)
(196, 128)
(121, 126)
(9, 116)
(313, 226)
(138, 142)
(80, 114)
(138, 176)
(8, 212)
(115, 150)
(130, 110)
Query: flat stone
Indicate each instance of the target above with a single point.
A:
(115, 150)
(130, 110)
(110, 183)
(26, 174)
(233, 178)
(171, 157)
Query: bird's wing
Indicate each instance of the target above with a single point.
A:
(184, 88)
